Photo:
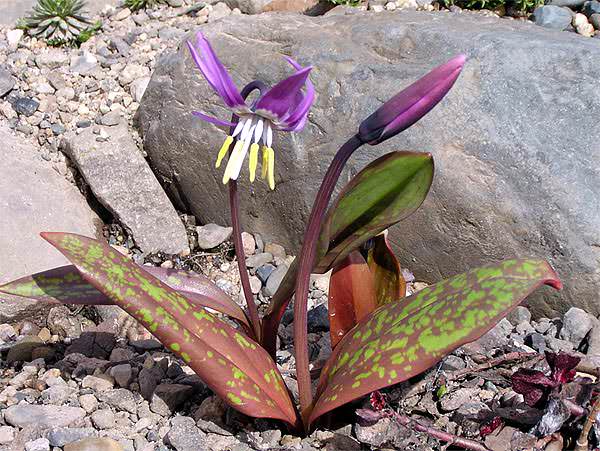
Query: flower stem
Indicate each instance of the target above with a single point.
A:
(306, 263)
(582, 443)
(237, 229)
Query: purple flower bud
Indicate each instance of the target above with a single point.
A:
(411, 104)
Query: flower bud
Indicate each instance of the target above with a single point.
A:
(411, 104)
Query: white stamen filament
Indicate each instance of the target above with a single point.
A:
(258, 131)
(239, 126)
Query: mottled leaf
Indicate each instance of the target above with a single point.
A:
(351, 295)
(65, 285)
(387, 191)
(385, 269)
(235, 367)
(402, 339)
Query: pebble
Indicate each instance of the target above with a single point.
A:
(62, 436)
(94, 444)
(576, 325)
(263, 272)
(83, 64)
(554, 17)
(98, 384)
(42, 416)
(88, 402)
(248, 243)
(591, 7)
(7, 435)
(120, 398)
(122, 374)
(41, 444)
(25, 106)
(7, 82)
(254, 261)
(212, 235)
(103, 419)
(275, 280)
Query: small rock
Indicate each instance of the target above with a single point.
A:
(318, 319)
(41, 444)
(7, 82)
(83, 64)
(185, 436)
(254, 261)
(457, 398)
(120, 399)
(576, 325)
(89, 403)
(211, 409)
(148, 380)
(26, 106)
(276, 250)
(62, 436)
(594, 19)
(122, 14)
(148, 344)
(7, 332)
(248, 241)
(554, 17)
(57, 394)
(579, 19)
(321, 281)
(94, 444)
(275, 280)
(51, 59)
(98, 384)
(21, 351)
(591, 7)
(44, 417)
(497, 337)
(383, 432)
(586, 30)
(519, 315)
(453, 363)
(111, 119)
(264, 271)
(122, 374)
(167, 398)
(138, 88)
(103, 419)
(255, 284)
(219, 11)
(212, 235)
(536, 341)
(7, 435)
(14, 37)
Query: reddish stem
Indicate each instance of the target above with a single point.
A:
(237, 229)
(306, 261)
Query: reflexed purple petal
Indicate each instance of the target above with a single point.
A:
(280, 97)
(297, 116)
(212, 120)
(214, 72)
(411, 104)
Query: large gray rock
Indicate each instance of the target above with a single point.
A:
(34, 198)
(44, 417)
(515, 142)
(123, 182)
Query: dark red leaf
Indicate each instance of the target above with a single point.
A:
(563, 366)
(532, 384)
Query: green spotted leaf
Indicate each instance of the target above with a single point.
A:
(387, 191)
(235, 367)
(65, 285)
(402, 339)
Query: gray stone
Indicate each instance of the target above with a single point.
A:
(275, 280)
(254, 261)
(318, 319)
(95, 444)
(121, 179)
(7, 82)
(119, 398)
(62, 436)
(384, 432)
(138, 88)
(25, 106)
(40, 444)
(44, 417)
(84, 63)
(122, 374)
(554, 17)
(40, 200)
(212, 235)
(595, 20)
(248, 6)
(185, 436)
(519, 315)
(264, 271)
(7, 435)
(103, 419)
(576, 325)
(167, 398)
(591, 7)
(58, 394)
(148, 379)
(22, 349)
(497, 337)
(53, 58)
(569, 3)
(498, 159)
(111, 119)
(452, 401)
(219, 11)
(98, 384)
(88, 402)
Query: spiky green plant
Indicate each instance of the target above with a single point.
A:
(58, 22)
(134, 5)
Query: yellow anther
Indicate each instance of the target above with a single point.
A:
(271, 169)
(253, 161)
(265, 162)
(223, 151)
(235, 154)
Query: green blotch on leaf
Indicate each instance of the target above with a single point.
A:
(234, 399)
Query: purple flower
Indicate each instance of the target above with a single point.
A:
(284, 107)
(411, 104)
